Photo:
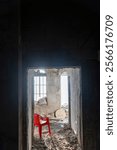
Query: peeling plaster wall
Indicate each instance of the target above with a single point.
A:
(53, 93)
(53, 89)
(29, 107)
(75, 101)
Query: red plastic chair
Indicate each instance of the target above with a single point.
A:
(40, 121)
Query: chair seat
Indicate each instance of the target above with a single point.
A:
(42, 122)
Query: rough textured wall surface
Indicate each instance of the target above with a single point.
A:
(53, 93)
(53, 89)
(75, 90)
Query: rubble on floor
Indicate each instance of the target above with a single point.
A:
(62, 139)
(60, 113)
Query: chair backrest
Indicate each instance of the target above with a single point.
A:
(36, 119)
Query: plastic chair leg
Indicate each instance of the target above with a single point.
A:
(40, 131)
(49, 129)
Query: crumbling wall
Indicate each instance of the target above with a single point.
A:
(29, 106)
(75, 91)
(53, 93)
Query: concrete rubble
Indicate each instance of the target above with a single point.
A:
(64, 139)
(42, 101)
(60, 113)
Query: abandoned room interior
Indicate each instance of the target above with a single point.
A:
(54, 93)
(50, 72)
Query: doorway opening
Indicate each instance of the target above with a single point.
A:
(53, 93)
(64, 95)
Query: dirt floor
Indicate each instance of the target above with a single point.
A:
(62, 138)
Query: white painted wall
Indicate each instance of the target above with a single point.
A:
(64, 90)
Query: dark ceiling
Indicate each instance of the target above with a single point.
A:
(6, 6)
(64, 23)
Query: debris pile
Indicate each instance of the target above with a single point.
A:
(42, 101)
(64, 139)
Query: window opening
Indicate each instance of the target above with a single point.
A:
(40, 85)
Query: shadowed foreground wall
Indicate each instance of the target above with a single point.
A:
(8, 77)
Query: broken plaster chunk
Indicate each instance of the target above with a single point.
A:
(42, 101)
(60, 113)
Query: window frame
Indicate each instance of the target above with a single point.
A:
(38, 74)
